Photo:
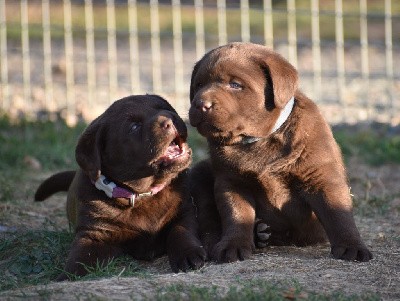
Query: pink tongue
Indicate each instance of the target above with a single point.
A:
(173, 151)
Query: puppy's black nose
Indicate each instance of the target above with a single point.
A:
(203, 105)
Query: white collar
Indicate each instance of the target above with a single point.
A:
(283, 116)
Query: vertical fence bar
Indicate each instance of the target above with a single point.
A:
(340, 54)
(268, 24)
(200, 42)
(245, 20)
(178, 53)
(5, 92)
(316, 48)
(26, 62)
(155, 46)
(90, 52)
(364, 55)
(222, 34)
(69, 63)
(389, 57)
(134, 47)
(112, 50)
(291, 9)
(48, 78)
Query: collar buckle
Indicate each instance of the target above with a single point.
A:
(139, 195)
(113, 191)
(132, 200)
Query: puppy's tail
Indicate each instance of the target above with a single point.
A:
(57, 182)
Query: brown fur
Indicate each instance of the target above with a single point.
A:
(129, 156)
(294, 179)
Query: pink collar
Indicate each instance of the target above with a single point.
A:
(113, 191)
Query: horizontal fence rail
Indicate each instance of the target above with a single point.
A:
(73, 58)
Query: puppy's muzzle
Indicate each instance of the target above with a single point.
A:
(199, 110)
(203, 105)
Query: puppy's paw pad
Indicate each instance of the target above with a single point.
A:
(262, 234)
(261, 227)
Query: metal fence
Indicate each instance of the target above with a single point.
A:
(75, 57)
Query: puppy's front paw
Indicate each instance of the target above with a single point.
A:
(262, 233)
(232, 250)
(352, 253)
(192, 258)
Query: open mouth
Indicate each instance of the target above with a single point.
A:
(175, 150)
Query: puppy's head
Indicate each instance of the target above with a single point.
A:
(239, 90)
(137, 141)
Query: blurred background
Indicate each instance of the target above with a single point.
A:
(73, 58)
(62, 63)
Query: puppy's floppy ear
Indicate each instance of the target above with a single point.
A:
(87, 152)
(282, 75)
(170, 108)
(195, 69)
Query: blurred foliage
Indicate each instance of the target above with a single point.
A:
(374, 144)
(233, 19)
(27, 147)
(51, 143)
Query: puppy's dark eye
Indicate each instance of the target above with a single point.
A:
(199, 85)
(235, 85)
(134, 127)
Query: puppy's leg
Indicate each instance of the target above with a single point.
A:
(86, 252)
(203, 203)
(237, 217)
(184, 249)
(199, 227)
(183, 245)
(333, 207)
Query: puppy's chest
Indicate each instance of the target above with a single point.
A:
(150, 214)
(274, 189)
(245, 160)
(266, 175)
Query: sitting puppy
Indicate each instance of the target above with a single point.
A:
(130, 194)
(273, 157)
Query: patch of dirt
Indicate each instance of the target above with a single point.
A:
(311, 267)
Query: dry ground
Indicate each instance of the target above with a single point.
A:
(310, 267)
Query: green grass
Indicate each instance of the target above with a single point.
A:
(123, 266)
(374, 146)
(38, 257)
(254, 290)
(32, 257)
(51, 144)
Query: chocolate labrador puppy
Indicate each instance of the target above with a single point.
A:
(130, 195)
(273, 157)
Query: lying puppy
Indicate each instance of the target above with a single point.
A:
(273, 157)
(130, 194)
